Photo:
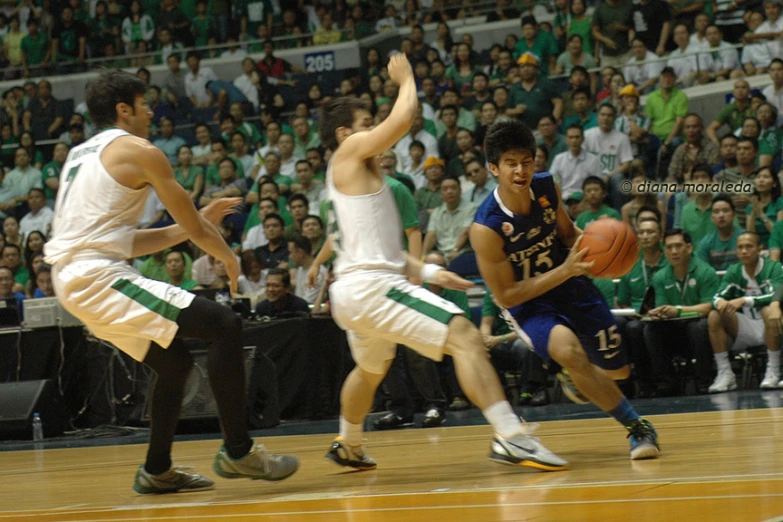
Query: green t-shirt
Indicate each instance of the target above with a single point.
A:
(635, 283)
(250, 132)
(22, 275)
(583, 28)
(213, 172)
(543, 47)
(770, 142)
(588, 216)
(35, 48)
(771, 211)
(588, 122)
(606, 286)
(776, 237)
(718, 253)
(490, 309)
(698, 223)
(538, 100)
(201, 28)
(188, 180)
(559, 146)
(732, 116)
(282, 209)
(427, 199)
(50, 170)
(700, 286)
(605, 16)
(151, 269)
(459, 81)
(406, 205)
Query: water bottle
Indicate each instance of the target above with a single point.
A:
(37, 427)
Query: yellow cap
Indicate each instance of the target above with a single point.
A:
(432, 161)
(629, 90)
(527, 59)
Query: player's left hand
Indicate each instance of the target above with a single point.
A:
(220, 208)
(452, 281)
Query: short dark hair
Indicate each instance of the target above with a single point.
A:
(299, 197)
(276, 217)
(282, 273)
(504, 136)
(416, 143)
(274, 203)
(752, 141)
(35, 189)
(450, 177)
(581, 90)
(12, 245)
(305, 162)
(732, 136)
(110, 88)
(450, 107)
(181, 255)
(776, 60)
(266, 180)
(578, 68)
(302, 244)
(528, 20)
(315, 217)
(549, 117)
(678, 232)
(219, 140)
(593, 180)
(755, 236)
(726, 199)
(607, 105)
(702, 167)
(231, 160)
(470, 161)
(652, 210)
(575, 126)
(335, 114)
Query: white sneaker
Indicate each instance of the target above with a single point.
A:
(724, 382)
(771, 379)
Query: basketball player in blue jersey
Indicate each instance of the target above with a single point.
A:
(374, 301)
(522, 235)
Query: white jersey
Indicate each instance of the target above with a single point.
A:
(613, 148)
(367, 228)
(95, 216)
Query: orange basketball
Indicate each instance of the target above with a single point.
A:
(612, 245)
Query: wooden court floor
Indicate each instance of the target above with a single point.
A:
(716, 466)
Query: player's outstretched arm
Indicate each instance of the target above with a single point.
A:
(498, 274)
(435, 274)
(137, 162)
(365, 145)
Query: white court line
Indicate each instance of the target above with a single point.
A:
(297, 497)
(432, 508)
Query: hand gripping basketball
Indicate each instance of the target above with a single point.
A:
(573, 265)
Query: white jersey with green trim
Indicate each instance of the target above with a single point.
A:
(94, 216)
(366, 229)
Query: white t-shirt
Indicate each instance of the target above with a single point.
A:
(402, 149)
(639, 74)
(775, 98)
(684, 65)
(255, 238)
(714, 61)
(613, 148)
(196, 86)
(303, 289)
(246, 86)
(773, 46)
(572, 171)
(39, 222)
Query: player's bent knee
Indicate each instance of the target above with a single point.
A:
(463, 337)
(565, 348)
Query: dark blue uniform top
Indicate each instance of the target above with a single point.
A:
(533, 248)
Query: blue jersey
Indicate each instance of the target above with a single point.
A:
(530, 242)
(533, 248)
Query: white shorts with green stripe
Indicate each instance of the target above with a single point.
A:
(119, 305)
(381, 310)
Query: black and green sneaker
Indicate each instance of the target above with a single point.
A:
(644, 440)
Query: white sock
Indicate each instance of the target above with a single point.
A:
(773, 360)
(351, 433)
(503, 419)
(723, 361)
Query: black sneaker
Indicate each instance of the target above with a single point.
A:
(346, 456)
(392, 421)
(433, 418)
(644, 440)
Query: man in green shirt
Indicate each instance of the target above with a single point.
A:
(697, 213)
(304, 138)
(667, 107)
(630, 294)
(612, 21)
(175, 270)
(219, 153)
(734, 113)
(429, 197)
(299, 206)
(742, 177)
(12, 258)
(741, 312)
(686, 286)
(594, 191)
(50, 173)
(154, 267)
(719, 247)
(36, 49)
(534, 96)
(542, 44)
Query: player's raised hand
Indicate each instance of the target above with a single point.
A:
(450, 280)
(400, 69)
(220, 208)
(573, 265)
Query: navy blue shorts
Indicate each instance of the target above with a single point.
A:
(579, 306)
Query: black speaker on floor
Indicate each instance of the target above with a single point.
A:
(20, 400)
(199, 402)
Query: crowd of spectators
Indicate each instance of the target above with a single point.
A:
(248, 137)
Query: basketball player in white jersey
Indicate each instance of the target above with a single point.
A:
(103, 190)
(373, 300)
